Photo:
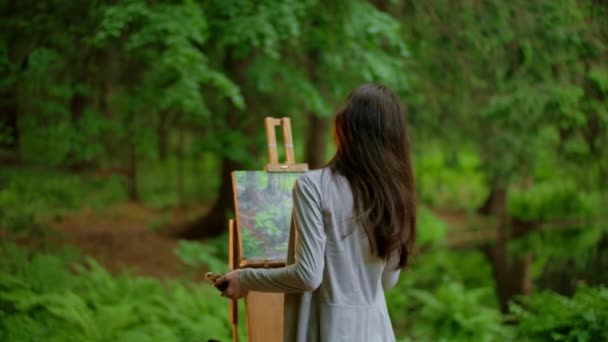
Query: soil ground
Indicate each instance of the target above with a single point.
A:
(123, 237)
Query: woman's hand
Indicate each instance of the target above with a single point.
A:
(234, 289)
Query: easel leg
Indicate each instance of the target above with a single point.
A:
(234, 314)
(232, 253)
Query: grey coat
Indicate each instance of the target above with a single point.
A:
(333, 284)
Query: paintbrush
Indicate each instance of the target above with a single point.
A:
(213, 277)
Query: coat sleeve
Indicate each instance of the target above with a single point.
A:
(306, 273)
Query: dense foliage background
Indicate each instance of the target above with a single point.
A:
(120, 122)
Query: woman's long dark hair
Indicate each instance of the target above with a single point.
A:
(373, 154)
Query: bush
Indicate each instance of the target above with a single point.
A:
(552, 200)
(210, 255)
(438, 275)
(49, 297)
(547, 316)
(452, 181)
(431, 229)
(454, 313)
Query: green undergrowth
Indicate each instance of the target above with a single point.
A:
(60, 296)
(211, 255)
(449, 295)
(547, 316)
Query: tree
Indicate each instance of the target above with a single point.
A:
(243, 32)
(519, 82)
(292, 66)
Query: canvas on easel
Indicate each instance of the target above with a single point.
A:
(263, 208)
(260, 235)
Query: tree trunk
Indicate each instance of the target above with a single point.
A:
(79, 101)
(316, 136)
(316, 141)
(511, 274)
(162, 133)
(382, 5)
(180, 167)
(9, 121)
(133, 194)
(216, 221)
(78, 104)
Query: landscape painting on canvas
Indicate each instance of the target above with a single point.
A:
(263, 208)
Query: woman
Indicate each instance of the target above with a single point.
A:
(354, 226)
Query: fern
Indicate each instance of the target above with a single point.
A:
(52, 298)
(549, 316)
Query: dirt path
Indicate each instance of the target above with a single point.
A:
(123, 237)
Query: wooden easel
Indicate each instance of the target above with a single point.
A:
(273, 155)
(264, 311)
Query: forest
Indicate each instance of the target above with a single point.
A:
(121, 121)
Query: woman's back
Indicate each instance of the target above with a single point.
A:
(349, 303)
(352, 272)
